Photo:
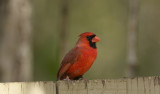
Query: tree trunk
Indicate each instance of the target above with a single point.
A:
(15, 40)
(63, 26)
(132, 37)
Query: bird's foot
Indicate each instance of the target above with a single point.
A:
(68, 81)
(85, 81)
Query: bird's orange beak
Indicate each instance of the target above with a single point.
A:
(95, 39)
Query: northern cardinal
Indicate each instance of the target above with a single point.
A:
(79, 59)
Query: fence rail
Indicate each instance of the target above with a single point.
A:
(139, 85)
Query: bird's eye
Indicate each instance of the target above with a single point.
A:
(88, 37)
(93, 36)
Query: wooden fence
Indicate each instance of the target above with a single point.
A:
(140, 85)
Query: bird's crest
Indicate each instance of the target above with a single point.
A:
(86, 34)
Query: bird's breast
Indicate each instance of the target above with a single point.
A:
(83, 63)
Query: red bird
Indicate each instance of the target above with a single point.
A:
(79, 59)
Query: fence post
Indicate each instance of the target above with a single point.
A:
(139, 85)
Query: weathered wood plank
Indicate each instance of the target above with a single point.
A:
(71, 87)
(4, 88)
(141, 88)
(139, 85)
(156, 86)
(28, 88)
(14, 88)
(95, 87)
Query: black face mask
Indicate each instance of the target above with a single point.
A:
(91, 44)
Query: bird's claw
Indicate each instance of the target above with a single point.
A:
(85, 81)
(67, 79)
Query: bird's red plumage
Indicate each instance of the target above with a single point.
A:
(79, 59)
(83, 63)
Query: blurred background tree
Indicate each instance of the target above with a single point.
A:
(56, 25)
(132, 37)
(15, 40)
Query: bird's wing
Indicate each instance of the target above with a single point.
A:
(70, 58)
